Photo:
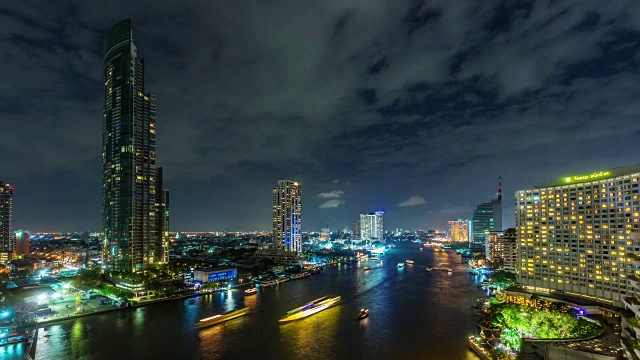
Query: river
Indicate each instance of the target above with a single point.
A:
(414, 315)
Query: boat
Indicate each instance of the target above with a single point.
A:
(316, 270)
(14, 338)
(450, 270)
(367, 268)
(364, 313)
(268, 282)
(429, 268)
(251, 291)
(220, 318)
(191, 301)
(296, 276)
(306, 273)
(281, 280)
(400, 265)
(410, 262)
(311, 308)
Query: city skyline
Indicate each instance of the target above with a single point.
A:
(363, 116)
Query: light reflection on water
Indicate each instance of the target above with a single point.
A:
(414, 314)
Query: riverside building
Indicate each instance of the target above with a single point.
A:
(132, 193)
(287, 216)
(459, 230)
(7, 242)
(486, 217)
(372, 226)
(573, 235)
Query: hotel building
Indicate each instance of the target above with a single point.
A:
(573, 235)
(287, 216)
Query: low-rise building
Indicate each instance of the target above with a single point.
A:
(280, 256)
(209, 275)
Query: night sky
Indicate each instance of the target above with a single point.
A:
(413, 107)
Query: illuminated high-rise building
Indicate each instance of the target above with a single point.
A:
(459, 230)
(22, 242)
(486, 217)
(574, 235)
(287, 216)
(6, 213)
(372, 226)
(131, 190)
(499, 244)
(162, 219)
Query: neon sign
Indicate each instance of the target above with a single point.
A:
(587, 177)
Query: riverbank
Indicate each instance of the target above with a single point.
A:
(110, 310)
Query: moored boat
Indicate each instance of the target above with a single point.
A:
(220, 318)
(268, 282)
(14, 338)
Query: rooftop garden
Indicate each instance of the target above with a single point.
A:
(519, 321)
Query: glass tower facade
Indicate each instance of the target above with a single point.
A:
(131, 189)
(486, 217)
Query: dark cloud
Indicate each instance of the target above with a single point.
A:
(396, 98)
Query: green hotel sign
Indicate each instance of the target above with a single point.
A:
(586, 177)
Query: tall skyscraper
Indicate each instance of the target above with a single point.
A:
(574, 235)
(6, 212)
(22, 242)
(130, 188)
(356, 230)
(287, 216)
(162, 219)
(486, 217)
(372, 226)
(459, 230)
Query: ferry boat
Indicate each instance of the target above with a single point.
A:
(220, 318)
(251, 291)
(410, 262)
(400, 265)
(311, 308)
(364, 313)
